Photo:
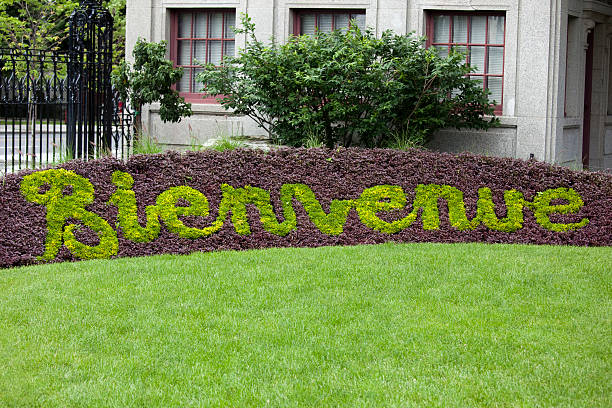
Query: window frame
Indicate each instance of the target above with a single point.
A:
(195, 97)
(490, 13)
(298, 12)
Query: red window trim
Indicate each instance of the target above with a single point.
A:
(297, 28)
(194, 97)
(429, 33)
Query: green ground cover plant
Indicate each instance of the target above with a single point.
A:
(394, 325)
(184, 201)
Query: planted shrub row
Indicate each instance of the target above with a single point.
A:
(181, 203)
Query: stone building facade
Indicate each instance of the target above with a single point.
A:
(546, 62)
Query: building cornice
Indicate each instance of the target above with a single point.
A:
(596, 6)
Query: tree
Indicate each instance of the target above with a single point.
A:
(43, 24)
(38, 24)
(117, 10)
(150, 80)
(348, 87)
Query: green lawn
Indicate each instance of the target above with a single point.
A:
(416, 325)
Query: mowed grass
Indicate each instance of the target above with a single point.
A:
(406, 325)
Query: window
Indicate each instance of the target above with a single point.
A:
(325, 21)
(200, 37)
(481, 36)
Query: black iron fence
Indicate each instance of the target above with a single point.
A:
(33, 107)
(59, 105)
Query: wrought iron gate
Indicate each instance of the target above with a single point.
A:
(59, 105)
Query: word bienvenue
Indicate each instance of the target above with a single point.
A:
(64, 209)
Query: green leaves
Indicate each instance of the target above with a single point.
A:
(351, 88)
(40, 24)
(117, 9)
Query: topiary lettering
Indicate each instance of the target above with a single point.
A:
(64, 208)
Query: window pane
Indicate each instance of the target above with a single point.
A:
(496, 60)
(214, 52)
(460, 29)
(183, 84)
(196, 85)
(478, 29)
(359, 20)
(341, 22)
(477, 56)
(184, 53)
(215, 25)
(199, 31)
(184, 25)
(495, 86)
(441, 29)
(230, 21)
(442, 50)
(478, 79)
(229, 49)
(325, 23)
(199, 52)
(496, 29)
(307, 24)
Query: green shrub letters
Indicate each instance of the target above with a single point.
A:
(65, 195)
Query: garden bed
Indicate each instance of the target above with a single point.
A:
(242, 199)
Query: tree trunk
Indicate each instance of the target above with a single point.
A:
(137, 126)
(329, 132)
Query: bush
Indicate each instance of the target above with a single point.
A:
(241, 199)
(350, 87)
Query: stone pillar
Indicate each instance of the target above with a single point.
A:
(138, 20)
(607, 132)
(537, 74)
